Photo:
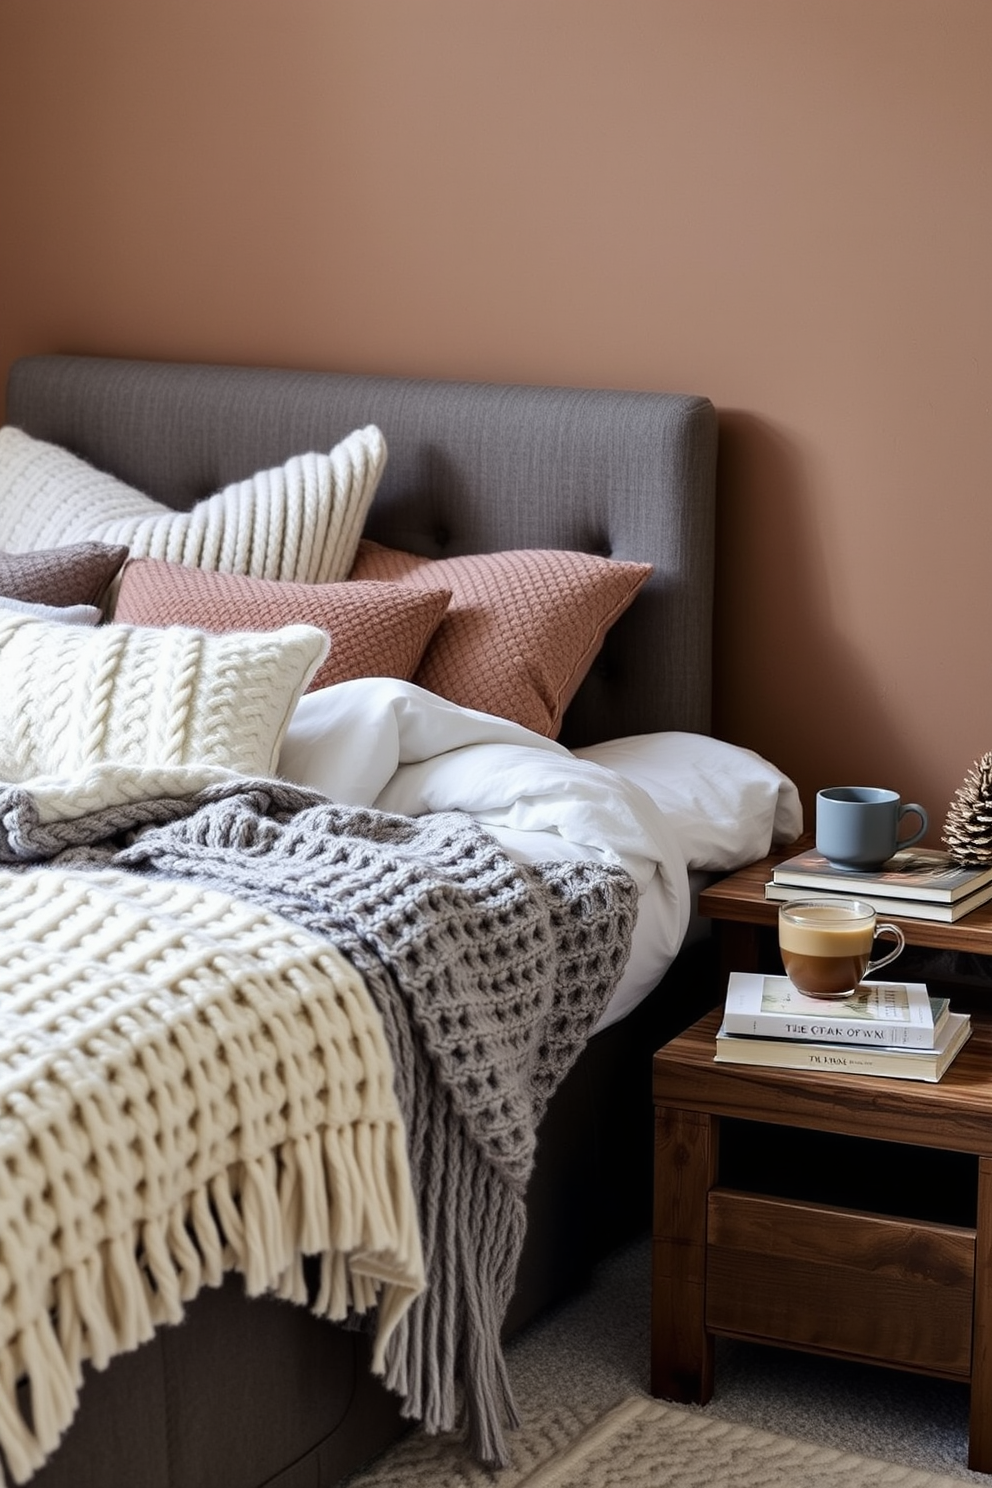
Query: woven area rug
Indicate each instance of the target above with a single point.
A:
(644, 1443)
(778, 1419)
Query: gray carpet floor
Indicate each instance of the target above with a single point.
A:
(598, 1345)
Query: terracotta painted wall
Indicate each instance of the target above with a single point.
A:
(784, 204)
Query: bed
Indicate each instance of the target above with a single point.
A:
(468, 482)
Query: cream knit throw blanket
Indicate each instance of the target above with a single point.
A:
(188, 1084)
(488, 976)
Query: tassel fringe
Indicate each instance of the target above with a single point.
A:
(259, 1219)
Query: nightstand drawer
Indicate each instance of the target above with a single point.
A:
(840, 1281)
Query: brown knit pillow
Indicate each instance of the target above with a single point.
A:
(73, 575)
(523, 626)
(376, 630)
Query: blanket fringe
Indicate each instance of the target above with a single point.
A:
(452, 1331)
(259, 1218)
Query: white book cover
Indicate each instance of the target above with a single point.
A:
(900, 1063)
(879, 1013)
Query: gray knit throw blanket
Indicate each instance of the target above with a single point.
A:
(489, 976)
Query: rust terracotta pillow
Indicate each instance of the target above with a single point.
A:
(376, 630)
(522, 629)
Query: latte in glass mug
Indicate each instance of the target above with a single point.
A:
(826, 944)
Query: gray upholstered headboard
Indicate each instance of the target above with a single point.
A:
(472, 467)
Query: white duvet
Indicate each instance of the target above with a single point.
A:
(658, 804)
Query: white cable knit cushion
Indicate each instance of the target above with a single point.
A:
(71, 696)
(299, 521)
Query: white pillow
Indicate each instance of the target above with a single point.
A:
(72, 697)
(78, 614)
(299, 521)
(726, 804)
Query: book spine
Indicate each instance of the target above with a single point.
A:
(827, 1030)
(769, 1053)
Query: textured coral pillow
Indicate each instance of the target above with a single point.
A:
(376, 630)
(72, 697)
(77, 574)
(522, 629)
(301, 520)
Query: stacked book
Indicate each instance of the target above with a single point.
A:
(886, 1028)
(919, 883)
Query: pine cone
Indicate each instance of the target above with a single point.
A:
(968, 827)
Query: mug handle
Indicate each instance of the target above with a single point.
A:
(900, 945)
(924, 824)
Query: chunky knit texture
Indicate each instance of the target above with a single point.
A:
(301, 520)
(489, 976)
(189, 1085)
(75, 574)
(72, 696)
(522, 628)
(376, 630)
(43, 819)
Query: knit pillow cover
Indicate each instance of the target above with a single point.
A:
(522, 629)
(376, 630)
(300, 520)
(72, 697)
(75, 574)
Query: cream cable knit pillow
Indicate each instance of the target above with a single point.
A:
(71, 696)
(299, 521)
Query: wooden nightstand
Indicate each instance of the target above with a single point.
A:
(838, 1214)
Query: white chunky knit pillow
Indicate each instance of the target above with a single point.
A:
(72, 697)
(300, 521)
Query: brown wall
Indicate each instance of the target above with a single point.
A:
(784, 204)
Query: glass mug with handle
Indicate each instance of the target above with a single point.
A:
(826, 944)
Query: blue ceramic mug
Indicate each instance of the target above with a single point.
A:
(857, 826)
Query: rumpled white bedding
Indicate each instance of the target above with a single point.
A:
(658, 804)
